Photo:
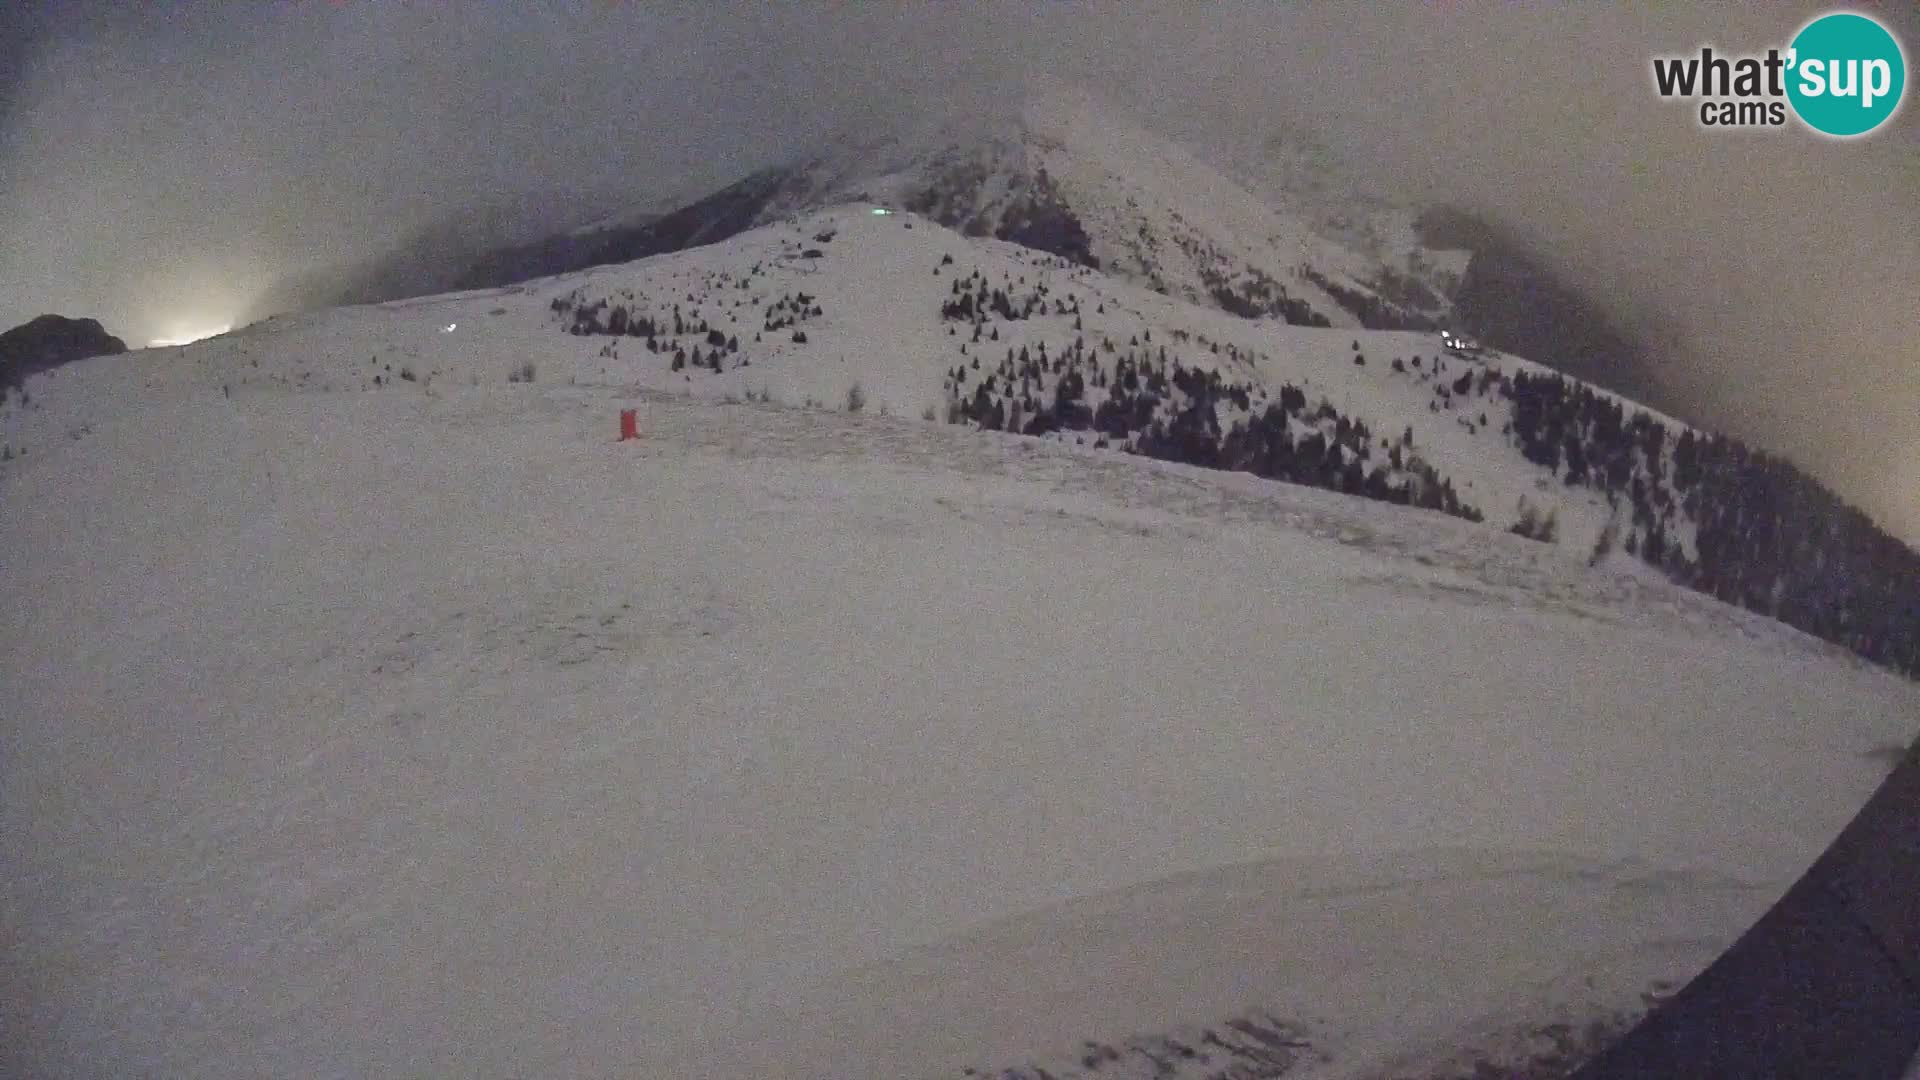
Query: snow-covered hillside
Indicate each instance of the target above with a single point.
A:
(810, 308)
(922, 321)
(1066, 173)
(370, 710)
(1149, 210)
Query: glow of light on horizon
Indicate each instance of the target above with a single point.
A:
(187, 335)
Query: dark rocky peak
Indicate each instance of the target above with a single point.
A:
(49, 341)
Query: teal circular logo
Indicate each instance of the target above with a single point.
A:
(1846, 74)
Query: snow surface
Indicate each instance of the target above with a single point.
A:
(880, 282)
(426, 730)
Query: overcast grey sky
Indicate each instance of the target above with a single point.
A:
(165, 161)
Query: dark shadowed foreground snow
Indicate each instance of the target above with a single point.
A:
(440, 735)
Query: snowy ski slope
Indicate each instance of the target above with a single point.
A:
(419, 728)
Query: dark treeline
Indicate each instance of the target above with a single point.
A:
(1153, 404)
(1770, 538)
(1373, 311)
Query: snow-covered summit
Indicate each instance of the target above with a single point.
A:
(1055, 169)
(1138, 205)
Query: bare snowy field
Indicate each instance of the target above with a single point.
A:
(398, 734)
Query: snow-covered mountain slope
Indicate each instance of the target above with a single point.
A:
(1509, 964)
(926, 322)
(807, 309)
(1044, 347)
(1068, 174)
(370, 710)
(1150, 211)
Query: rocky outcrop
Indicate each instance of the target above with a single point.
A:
(49, 341)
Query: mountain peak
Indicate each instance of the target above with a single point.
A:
(1067, 171)
(1058, 168)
